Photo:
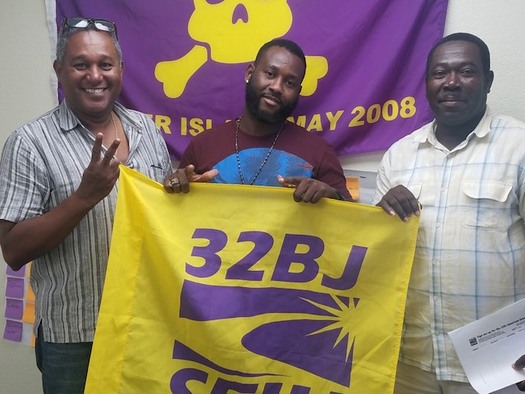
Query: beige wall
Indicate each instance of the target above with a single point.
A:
(25, 93)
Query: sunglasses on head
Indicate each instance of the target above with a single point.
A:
(83, 23)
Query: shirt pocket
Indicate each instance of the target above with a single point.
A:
(486, 204)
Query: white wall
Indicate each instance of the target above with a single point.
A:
(25, 93)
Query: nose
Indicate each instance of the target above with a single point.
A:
(94, 73)
(452, 81)
(276, 85)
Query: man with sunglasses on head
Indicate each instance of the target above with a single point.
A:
(58, 195)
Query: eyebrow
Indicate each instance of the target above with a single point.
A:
(456, 64)
(99, 57)
(289, 75)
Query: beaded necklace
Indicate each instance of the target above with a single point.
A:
(241, 176)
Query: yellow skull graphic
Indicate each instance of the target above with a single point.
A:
(234, 31)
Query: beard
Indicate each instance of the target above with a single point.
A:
(252, 104)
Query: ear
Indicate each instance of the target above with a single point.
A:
(489, 80)
(57, 67)
(249, 72)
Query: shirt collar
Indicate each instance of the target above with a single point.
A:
(481, 130)
(68, 120)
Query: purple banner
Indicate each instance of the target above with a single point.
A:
(185, 62)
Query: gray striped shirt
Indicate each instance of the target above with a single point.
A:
(41, 165)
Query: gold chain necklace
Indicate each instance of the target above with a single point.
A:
(241, 176)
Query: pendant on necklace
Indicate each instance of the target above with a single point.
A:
(241, 175)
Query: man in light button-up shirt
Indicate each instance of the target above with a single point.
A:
(466, 169)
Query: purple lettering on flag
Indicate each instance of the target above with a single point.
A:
(202, 302)
(307, 260)
(308, 337)
(13, 330)
(14, 309)
(183, 352)
(185, 62)
(276, 339)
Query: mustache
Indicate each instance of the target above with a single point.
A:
(272, 97)
(451, 97)
(253, 100)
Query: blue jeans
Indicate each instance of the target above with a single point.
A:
(64, 366)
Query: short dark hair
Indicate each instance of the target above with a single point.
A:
(483, 49)
(291, 46)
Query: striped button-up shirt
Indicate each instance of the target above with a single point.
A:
(42, 164)
(470, 253)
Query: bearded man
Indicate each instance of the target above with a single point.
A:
(261, 147)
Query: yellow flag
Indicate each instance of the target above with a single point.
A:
(239, 289)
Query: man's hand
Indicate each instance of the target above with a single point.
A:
(31, 238)
(308, 189)
(519, 365)
(180, 180)
(101, 174)
(401, 202)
